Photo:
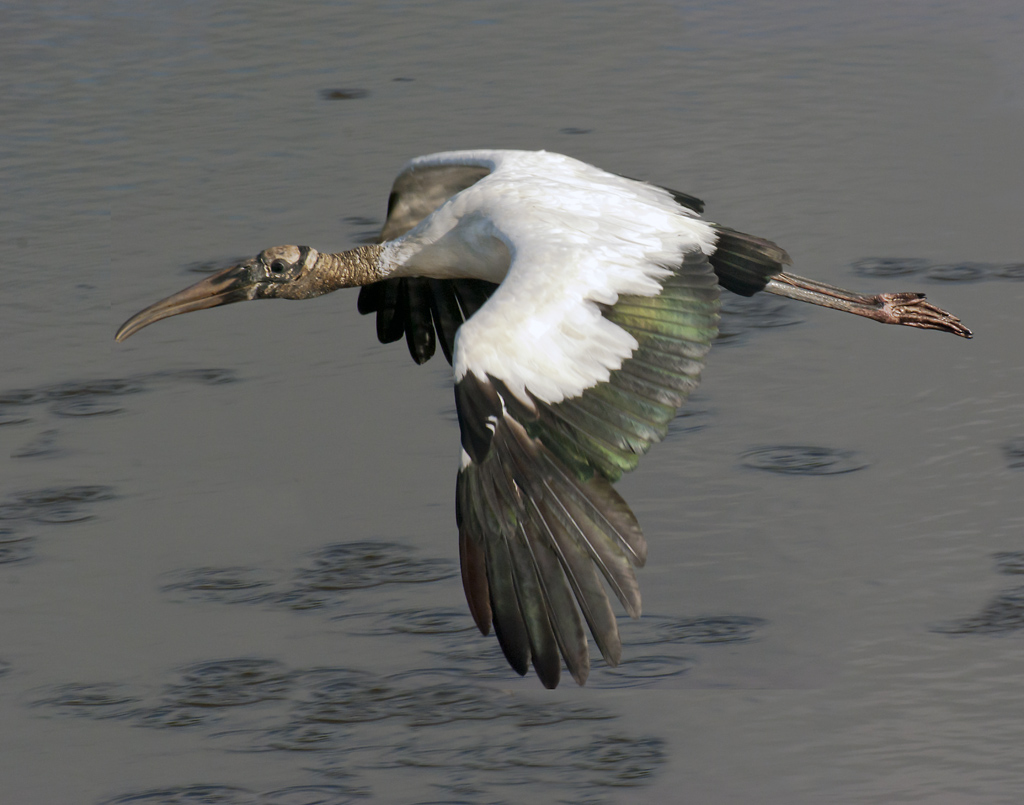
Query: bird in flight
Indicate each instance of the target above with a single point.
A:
(576, 307)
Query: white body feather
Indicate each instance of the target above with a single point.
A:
(560, 236)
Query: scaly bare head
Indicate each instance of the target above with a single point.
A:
(281, 272)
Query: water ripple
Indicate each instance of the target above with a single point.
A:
(418, 622)
(712, 629)
(84, 407)
(231, 795)
(689, 420)
(96, 701)
(1003, 614)
(223, 585)
(803, 460)
(1014, 452)
(86, 398)
(740, 314)
(960, 272)
(641, 672)
(966, 271)
(363, 729)
(1010, 562)
(14, 547)
(42, 446)
(332, 572)
(357, 565)
(598, 761)
(230, 683)
(890, 266)
(53, 505)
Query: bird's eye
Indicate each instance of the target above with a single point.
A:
(279, 266)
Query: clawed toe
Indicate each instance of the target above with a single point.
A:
(913, 310)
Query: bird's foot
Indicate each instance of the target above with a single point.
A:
(910, 309)
(913, 310)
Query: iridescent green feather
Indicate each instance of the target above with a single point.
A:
(610, 426)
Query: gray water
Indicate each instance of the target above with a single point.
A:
(228, 567)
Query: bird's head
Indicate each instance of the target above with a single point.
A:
(285, 272)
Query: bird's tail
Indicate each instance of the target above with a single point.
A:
(744, 263)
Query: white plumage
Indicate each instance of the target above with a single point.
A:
(571, 238)
(576, 307)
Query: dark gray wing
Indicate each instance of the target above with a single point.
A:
(418, 191)
(425, 311)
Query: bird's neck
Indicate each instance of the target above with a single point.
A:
(355, 267)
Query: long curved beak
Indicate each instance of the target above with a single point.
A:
(231, 285)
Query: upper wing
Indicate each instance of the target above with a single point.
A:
(538, 516)
(425, 311)
(420, 189)
(428, 311)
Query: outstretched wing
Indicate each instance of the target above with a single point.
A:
(564, 379)
(428, 312)
(539, 521)
(417, 308)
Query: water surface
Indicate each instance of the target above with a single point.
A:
(228, 568)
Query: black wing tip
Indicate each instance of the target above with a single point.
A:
(371, 297)
(548, 543)
(425, 311)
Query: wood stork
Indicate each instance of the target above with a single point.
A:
(576, 308)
